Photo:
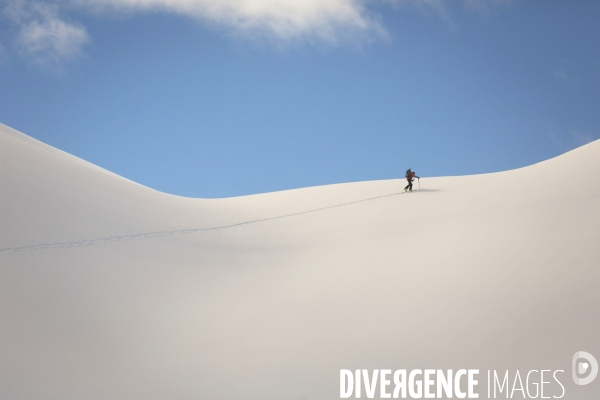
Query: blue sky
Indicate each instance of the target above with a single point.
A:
(212, 99)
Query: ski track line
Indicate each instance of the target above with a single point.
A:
(140, 236)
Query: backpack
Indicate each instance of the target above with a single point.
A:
(408, 173)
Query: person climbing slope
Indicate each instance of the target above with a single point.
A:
(410, 176)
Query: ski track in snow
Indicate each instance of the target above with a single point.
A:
(147, 235)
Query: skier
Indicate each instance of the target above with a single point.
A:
(410, 175)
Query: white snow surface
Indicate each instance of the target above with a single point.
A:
(112, 290)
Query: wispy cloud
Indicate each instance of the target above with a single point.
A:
(327, 20)
(561, 75)
(571, 140)
(43, 36)
(582, 137)
(568, 72)
(46, 36)
(446, 10)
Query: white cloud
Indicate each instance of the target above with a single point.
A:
(46, 37)
(52, 40)
(43, 35)
(327, 20)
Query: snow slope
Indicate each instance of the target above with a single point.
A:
(112, 290)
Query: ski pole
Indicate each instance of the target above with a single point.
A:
(419, 180)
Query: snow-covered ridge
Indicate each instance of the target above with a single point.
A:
(109, 289)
